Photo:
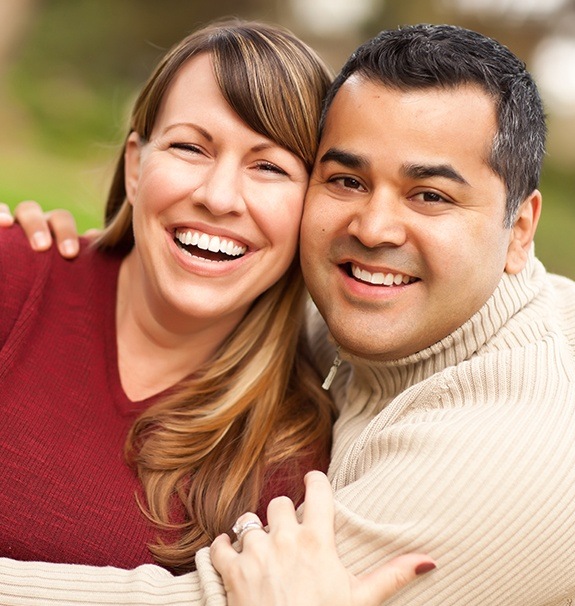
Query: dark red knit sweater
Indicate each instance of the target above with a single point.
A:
(66, 494)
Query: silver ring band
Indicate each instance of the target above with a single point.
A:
(241, 529)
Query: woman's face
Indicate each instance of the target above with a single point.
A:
(216, 206)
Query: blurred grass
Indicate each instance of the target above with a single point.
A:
(54, 182)
(555, 241)
(58, 146)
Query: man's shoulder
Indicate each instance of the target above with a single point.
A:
(564, 295)
(563, 284)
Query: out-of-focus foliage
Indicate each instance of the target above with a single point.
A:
(80, 60)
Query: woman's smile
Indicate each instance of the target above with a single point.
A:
(208, 247)
(211, 199)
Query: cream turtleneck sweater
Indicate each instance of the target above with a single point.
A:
(465, 451)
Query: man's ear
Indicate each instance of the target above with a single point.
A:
(132, 156)
(523, 232)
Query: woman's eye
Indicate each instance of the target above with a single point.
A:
(189, 147)
(272, 168)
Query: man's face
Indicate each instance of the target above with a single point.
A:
(402, 234)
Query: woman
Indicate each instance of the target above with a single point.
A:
(201, 238)
(207, 368)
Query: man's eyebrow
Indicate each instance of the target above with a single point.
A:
(348, 159)
(424, 171)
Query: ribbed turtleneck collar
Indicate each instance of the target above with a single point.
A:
(483, 331)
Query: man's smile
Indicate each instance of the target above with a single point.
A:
(379, 277)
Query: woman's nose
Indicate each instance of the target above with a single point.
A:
(221, 190)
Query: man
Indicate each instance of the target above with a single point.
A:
(455, 433)
(457, 392)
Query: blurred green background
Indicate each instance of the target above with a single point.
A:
(69, 70)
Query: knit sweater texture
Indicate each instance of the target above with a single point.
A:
(66, 492)
(464, 450)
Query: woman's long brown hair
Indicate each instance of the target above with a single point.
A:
(203, 453)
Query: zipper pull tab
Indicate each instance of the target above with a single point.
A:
(332, 371)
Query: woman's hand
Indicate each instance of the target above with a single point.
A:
(296, 563)
(40, 226)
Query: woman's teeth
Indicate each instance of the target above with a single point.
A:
(209, 243)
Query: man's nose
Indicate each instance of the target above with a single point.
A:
(379, 220)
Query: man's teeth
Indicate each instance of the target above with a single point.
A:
(211, 243)
(379, 277)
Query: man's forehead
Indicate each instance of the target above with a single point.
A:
(351, 98)
(355, 84)
(360, 98)
(418, 133)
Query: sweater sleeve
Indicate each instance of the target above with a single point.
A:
(477, 487)
(43, 584)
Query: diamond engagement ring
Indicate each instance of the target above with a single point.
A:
(241, 528)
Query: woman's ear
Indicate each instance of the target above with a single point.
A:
(132, 156)
(523, 232)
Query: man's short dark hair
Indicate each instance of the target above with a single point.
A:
(444, 56)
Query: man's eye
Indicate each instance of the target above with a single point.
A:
(429, 196)
(347, 182)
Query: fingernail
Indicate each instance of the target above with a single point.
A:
(425, 567)
(40, 241)
(68, 248)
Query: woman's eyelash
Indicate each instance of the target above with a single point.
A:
(271, 167)
(263, 165)
(185, 146)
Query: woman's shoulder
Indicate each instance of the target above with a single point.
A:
(20, 269)
(29, 279)
(14, 243)
(19, 264)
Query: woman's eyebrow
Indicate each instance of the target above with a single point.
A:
(191, 125)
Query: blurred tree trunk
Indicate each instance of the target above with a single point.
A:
(14, 16)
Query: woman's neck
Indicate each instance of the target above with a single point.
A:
(157, 346)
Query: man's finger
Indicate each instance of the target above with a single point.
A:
(222, 553)
(63, 226)
(31, 217)
(6, 218)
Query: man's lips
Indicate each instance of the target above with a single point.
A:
(381, 277)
